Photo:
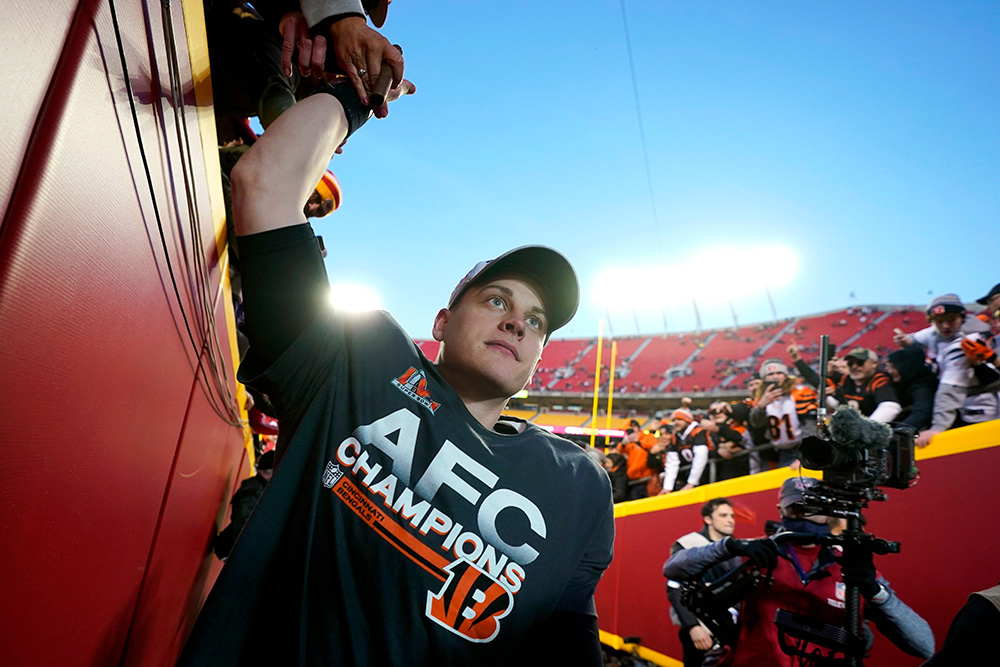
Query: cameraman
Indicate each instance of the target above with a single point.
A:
(808, 579)
(718, 523)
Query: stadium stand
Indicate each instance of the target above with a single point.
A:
(562, 418)
(586, 365)
(649, 368)
(558, 357)
(717, 360)
(429, 348)
(628, 348)
(879, 338)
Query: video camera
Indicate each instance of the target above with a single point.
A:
(857, 456)
(860, 456)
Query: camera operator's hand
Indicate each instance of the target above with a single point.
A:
(701, 638)
(763, 552)
(858, 569)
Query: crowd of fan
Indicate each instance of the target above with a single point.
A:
(724, 368)
(940, 377)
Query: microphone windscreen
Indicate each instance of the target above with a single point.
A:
(850, 429)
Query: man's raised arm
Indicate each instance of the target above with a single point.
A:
(284, 281)
(272, 182)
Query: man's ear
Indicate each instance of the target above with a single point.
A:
(440, 321)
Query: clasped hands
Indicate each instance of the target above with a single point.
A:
(361, 52)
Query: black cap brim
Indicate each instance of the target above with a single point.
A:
(992, 293)
(377, 11)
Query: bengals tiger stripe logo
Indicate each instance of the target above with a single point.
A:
(471, 603)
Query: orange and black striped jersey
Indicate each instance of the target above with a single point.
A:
(805, 398)
(690, 438)
(868, 394)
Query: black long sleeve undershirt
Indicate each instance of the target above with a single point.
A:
(284, 287)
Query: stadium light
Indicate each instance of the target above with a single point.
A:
(714, 275)
(353, 297)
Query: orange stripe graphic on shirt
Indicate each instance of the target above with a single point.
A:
(390, 531)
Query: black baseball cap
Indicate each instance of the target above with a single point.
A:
(547, 267)
(791, 490)
(992, 293)
(861, 354)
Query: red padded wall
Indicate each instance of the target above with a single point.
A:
(945, 523)
(118, 469)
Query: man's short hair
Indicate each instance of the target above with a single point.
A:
(708, 509)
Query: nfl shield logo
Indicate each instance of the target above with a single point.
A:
(331, 474)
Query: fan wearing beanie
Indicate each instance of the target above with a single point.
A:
(957, 345)
(688, 442)
(785, 408)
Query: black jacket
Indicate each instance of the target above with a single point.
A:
(244, 501)
(916, 386)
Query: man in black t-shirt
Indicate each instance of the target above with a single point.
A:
(867, 389)
(407, 522)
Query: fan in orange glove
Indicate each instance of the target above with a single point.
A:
(978, 352)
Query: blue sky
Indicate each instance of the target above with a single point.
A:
(817, 149)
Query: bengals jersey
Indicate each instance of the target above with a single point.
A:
(691, 446)
(866, 396)
(787, 414)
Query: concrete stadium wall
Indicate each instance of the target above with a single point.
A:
(117, 466)
(946, 524)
